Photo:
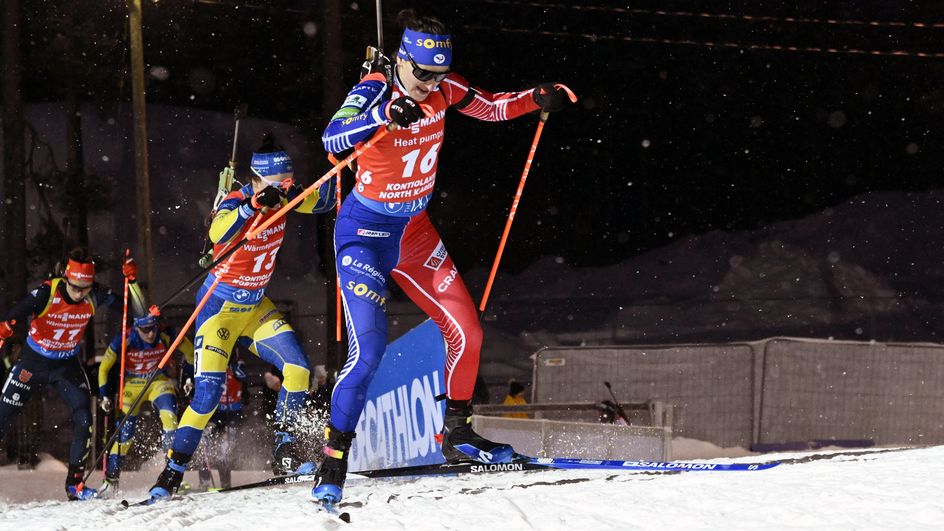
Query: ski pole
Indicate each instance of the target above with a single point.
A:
(279, 213)
(105, 454)
(337, 277)
(124, 341)
(619, 407)
(174, 345)
(514, 204)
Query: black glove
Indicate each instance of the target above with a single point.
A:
(549, 97)
(267, 197)
(404, 111)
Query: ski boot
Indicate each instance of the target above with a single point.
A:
(460, 443)
(330, 481)
(75, 487)
(287, 457)
(171, 477)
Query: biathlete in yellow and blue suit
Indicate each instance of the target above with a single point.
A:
(146, 347)
(238, 310)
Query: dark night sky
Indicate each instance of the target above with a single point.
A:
(671, 136)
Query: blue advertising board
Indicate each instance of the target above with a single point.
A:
(401, 418)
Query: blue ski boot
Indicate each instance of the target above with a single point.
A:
(75, 487)
(287, 457)
(169, 480)
(460, 443)
(329, 484)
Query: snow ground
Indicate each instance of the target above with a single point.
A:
(870, 489)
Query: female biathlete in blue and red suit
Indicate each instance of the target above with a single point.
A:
(383, 231)
(61, 309)
(238, 310)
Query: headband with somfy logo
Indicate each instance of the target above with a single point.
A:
(80, 271)
(426, 48)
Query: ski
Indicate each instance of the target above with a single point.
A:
(331, 509)
(683, 466)
(523, 463)
(149, 501)
(269, 482)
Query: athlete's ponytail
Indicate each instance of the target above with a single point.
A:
(408, 19)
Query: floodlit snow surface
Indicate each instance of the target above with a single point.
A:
(872, 489)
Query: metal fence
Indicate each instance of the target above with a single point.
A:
(771, 391)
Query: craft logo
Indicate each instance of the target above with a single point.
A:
(450, 278)
(223, 334)
(439, 58)
(436, 259)
(25, 375)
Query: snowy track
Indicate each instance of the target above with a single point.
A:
(824, 490)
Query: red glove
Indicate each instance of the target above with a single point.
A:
(129, 269)
(6, 329)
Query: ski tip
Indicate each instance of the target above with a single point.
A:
(125, 504)
(345, 517)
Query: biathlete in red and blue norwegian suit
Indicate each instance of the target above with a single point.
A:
(61, 309)
(383, 232)
(238, 310)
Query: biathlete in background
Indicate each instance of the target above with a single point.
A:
(383, 231)
(61, 308)
(238, 310)
(146, 346)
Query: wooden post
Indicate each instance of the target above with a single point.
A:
(14, 158)
(142, 177)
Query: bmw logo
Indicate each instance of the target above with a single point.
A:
(241, 295)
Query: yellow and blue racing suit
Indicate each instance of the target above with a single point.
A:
(238, 310)
(141, 361)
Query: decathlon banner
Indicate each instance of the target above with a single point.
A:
(401, 419)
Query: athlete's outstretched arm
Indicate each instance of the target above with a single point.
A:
(484, 105)
(359, 116)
